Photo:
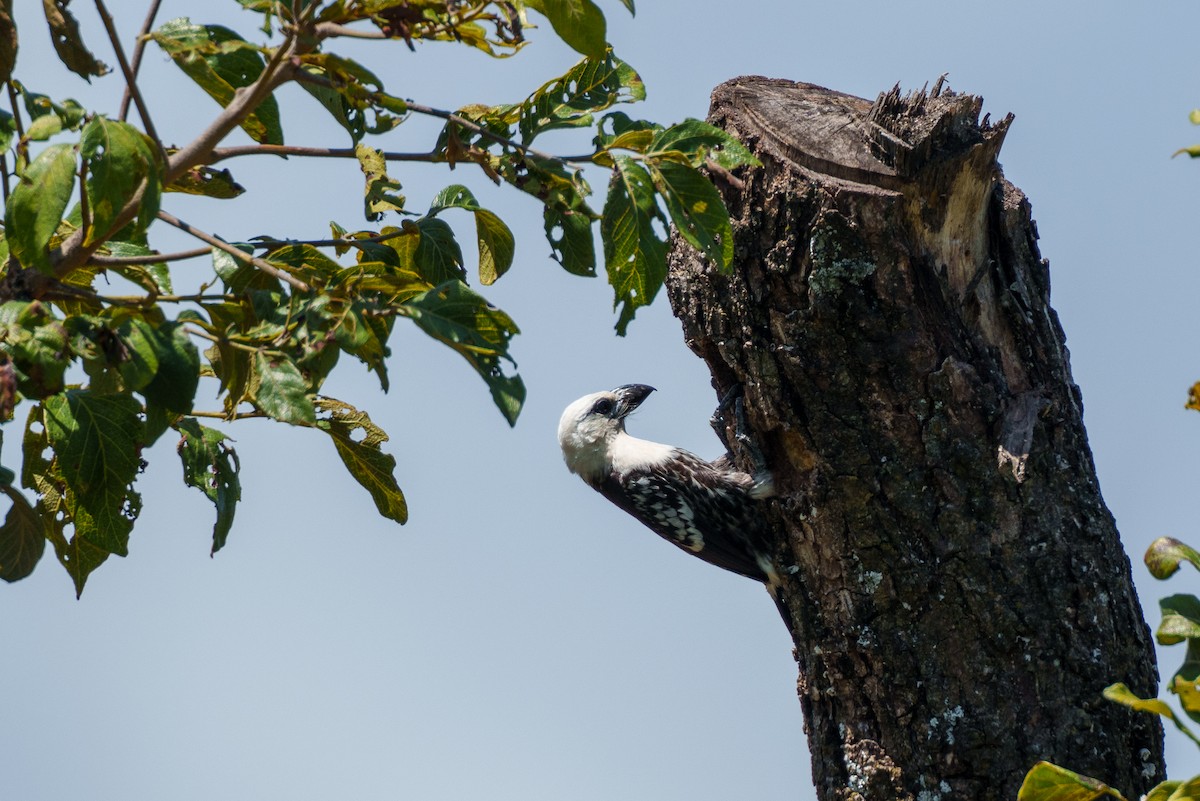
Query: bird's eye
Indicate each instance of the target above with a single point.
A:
(603, 406)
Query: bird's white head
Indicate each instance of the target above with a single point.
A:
(589, 427)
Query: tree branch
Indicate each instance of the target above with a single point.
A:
(130, 79)
(153, 258)
(222, 153)
(329, 30)
(22, 146)
(462, 122)
(138, 49)
(266, 267)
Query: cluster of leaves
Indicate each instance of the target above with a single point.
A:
(1180, 624)
(106, 376)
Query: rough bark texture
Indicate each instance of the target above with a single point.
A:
(958, 590)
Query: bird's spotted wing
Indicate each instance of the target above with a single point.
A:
(696, 506)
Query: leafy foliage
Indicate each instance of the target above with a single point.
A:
(1180, 623)
(106, 376)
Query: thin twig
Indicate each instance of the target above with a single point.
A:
(275, 244)
(4, 176)
(222, 153)
(329, 30)
(130, 80)
(223, 416)
(85, 211)
(139, 48)
(150, 300)
(266, 267)
(22, 145)
(153, 258)
(479, 129)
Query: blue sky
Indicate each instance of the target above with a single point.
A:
(520, 638)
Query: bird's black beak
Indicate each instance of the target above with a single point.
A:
(630, 396)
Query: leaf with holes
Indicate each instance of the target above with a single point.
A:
(698, 141)
(96, 440)
(68, 42)
(379, 196)
(358, 442)
(571, 241)
(571, 100)
(212, 467)
(119, 159)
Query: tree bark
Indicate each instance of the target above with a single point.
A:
(958, 593)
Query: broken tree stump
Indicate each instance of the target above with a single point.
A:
(958, 591)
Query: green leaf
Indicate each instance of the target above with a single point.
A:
(8, 128)
(496, 243)
(1049, 782)
(1121, 694)
(305, 262)
(635, 255)
(96, 440)
(455, 315)
(496, 246)
(1186, 681)
(36, 205)
(221, 62)
(140, 353)
(22, 538)
(570, 101)
(119, 159)
(696, 209)
(438, 258)
(352, 94)
(239, 276)
(154, 278)
(571, 242)
(39, 472)
(1165, 554)
(358, 442)
(280, 390)
(1162, 791)
(68, 43)
(378, 197)
(207, 182)
(37, 345)
(69, 113)
(174, 384)
(699, 141)
(1181, 619)
(212, 467)
(1176, 791)
(579, 23)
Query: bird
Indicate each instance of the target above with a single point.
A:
(709, 509)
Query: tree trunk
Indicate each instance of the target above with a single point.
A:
(958, 593)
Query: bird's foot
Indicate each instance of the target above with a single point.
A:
(734, 399)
